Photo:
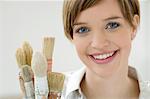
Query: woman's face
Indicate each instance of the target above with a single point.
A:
(102, 38)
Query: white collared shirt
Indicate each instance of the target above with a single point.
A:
(72, 88)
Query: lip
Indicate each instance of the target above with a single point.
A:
(103, 61)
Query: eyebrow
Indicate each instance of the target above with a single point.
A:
(112, 18)
(107, 19)
(79, 23)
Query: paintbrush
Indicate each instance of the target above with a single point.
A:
(22, 87)
(39, 67)
(28, 52)
(48, 47)
(20, 57)
(28, 83)
(55, 83)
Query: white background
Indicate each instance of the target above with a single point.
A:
(32, 20)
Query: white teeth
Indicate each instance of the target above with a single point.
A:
(103, 56)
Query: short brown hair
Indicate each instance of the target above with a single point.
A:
(72, 8)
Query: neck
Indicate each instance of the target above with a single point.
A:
(118, 86)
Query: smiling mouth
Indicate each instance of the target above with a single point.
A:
(103, 58)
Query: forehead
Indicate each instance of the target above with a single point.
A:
(102, 10)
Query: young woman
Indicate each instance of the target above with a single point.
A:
(102, 32)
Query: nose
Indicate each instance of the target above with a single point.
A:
(99, 41)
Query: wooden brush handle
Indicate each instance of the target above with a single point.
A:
(43, 97)
(54, 96)
(49, 64)
(21, 81)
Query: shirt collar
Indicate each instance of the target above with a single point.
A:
(76, 78)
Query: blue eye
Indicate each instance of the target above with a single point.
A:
(82, 30)
(112, 25)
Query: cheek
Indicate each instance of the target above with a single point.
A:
(123, 40)
(124, 43)
(79, 45)
(79, 48)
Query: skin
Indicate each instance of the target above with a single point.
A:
(99, 30)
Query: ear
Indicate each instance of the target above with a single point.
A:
(136, 21)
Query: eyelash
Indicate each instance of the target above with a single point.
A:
(82, 30)
(112, 25)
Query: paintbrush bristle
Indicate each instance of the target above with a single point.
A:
(26, 73)
(39, 64)
(55, 82)
(28, 52)
(48, 47)
(20, 57)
